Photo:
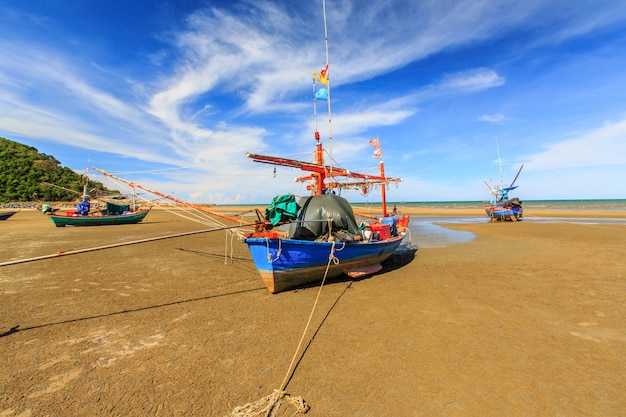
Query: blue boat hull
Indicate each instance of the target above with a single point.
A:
(513, 213)
(287, 263)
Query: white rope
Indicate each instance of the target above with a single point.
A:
(232, 246)
(278, 252)
(270, 404)
(114, 245)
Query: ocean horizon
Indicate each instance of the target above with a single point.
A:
(573, 204)
(569, 204)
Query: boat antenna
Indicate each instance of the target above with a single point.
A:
(515, 179)
(500, 164)
(86, 177)
(330, 127)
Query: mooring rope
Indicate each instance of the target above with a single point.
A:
(270, 404)
(114, 245)
(278, 252)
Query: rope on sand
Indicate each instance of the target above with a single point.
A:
(114, 245)
(269, 405)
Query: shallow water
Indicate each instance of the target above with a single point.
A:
(602, 205)
(425, 232)
(431, 231)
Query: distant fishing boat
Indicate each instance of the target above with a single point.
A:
(103, 218)
(6, 214)
(502, 207)
(112, 214)
(324, 239)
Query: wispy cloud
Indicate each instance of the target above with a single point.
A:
(472, 80)
(602, 146)
(226, 80)
(493, 118)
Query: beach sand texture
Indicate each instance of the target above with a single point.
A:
(528, 319)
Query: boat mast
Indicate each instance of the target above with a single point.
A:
(500, 164)
(317, 178)
(321, 176)
(330, 126)
(383, 191)
(86, 178)
(515, 179)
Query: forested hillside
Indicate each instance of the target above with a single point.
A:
(27, 175)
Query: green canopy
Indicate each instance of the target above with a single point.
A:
(115, 209)
(282, 208)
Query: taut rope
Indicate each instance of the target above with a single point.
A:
(269, 405)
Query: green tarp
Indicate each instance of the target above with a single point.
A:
(115, 209)
(283, 208)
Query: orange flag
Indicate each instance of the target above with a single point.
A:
(322, 76)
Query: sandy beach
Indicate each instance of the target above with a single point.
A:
(478, 212)
(528, 319)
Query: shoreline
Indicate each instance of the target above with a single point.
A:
(375, 210)
(467, 212)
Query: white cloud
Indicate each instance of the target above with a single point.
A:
(605, 145)
(472, 80)
(258, 55)
(493, 118)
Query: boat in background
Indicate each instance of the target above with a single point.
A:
(502, 207)
(324, 239)
(6, 214)
(112, 214)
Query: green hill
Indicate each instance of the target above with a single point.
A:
(27, 175)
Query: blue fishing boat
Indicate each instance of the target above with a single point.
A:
(502, 207)
(324, 239)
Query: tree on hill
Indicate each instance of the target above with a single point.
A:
(27, 175)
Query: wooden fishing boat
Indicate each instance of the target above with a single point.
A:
(331, 245)
(112, 214)
(98, 219)
(6, 214)
(501, 207)
(324, 239)
(505, 209)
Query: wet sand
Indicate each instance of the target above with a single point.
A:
(527, 319)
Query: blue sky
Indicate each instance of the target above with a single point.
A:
(172, 94)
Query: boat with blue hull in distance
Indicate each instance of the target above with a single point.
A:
(505, 209)
(501, 207)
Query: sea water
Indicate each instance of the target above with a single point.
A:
(430, 231)
(596, 205)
